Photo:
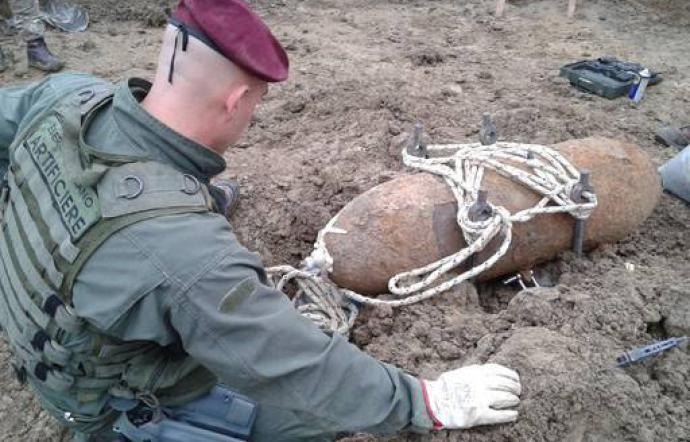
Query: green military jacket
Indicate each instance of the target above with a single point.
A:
(183, 281)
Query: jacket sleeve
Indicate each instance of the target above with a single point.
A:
(307, 384)
(187, 279)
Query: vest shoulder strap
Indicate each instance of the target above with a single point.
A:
(137, 187)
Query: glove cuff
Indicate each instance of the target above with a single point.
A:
(438, 425)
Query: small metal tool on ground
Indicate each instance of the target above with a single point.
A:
(578, 196)
(521, 277)
(640, 354)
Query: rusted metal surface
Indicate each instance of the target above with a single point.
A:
(409, 222)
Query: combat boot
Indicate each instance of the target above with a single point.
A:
(3, 61)
(226, 195)
(40, 56)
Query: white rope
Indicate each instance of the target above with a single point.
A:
(317, 299)
(539, 168)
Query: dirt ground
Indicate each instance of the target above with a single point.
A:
(362, 73)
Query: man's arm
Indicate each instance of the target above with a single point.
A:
(306, 383)
(187, 278)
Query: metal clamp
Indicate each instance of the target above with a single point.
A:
(521, 277)
(577, 195)
(415, 146)
(481, 209)
(138, 182)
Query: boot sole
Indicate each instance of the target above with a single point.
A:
(44, 68)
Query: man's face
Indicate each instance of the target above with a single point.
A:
(245, 108)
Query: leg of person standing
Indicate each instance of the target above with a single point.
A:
(5, 14)
(27, 17)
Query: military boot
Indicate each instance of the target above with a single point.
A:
(3, 61)
(40, 56)
(226, 195)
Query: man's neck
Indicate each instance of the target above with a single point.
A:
(170, 111)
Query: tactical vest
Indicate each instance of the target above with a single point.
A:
(61, 201)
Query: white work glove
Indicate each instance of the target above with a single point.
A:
(473, 395)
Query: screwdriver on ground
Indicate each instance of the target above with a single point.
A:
(640, 354)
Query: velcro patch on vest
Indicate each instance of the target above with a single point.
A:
(77, 205)
(237, 295)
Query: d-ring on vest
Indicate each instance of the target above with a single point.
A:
(63, 199)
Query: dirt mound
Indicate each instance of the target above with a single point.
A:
(564, 341)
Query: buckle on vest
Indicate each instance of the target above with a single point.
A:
(39, 340)
(129, 192)
(41, 371)
(86, 95)
(52, 304)
(190, 184)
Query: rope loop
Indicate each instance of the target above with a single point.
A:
(317, 298)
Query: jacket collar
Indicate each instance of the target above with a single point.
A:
(156, 140)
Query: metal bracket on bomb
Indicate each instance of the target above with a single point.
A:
(481, 209)
(415, 146)
(578, 196)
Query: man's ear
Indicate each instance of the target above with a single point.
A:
(233, 100)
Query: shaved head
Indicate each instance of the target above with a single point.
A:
(198, 68)
(200, 93)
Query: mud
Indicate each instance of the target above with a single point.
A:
(362, 73)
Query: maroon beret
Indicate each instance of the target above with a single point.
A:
(231, 28)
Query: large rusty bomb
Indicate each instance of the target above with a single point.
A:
(409, 222)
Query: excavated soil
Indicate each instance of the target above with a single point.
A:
(362, 74)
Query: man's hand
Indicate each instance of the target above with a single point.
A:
(473, 395)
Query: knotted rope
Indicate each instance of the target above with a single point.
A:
(539, 168)
(317, 299)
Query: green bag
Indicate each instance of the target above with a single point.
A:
(607, 77)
